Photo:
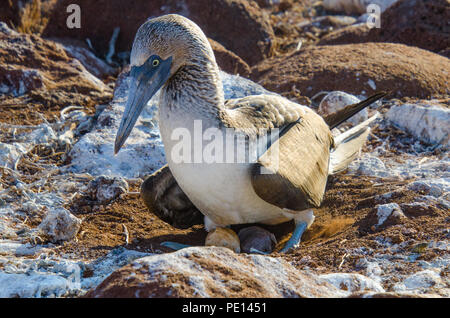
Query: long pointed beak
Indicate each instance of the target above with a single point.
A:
(146, 80)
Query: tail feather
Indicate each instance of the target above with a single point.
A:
(348, 145)
(335, 119)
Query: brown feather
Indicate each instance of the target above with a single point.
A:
(335, 119)
(298, 178)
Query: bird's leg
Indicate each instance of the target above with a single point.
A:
(294, 241)
(302, 221)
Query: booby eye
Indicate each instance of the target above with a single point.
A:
(155, 63)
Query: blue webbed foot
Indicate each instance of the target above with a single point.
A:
(300, 228)
(174, 245)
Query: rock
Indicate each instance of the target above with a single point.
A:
(386, 211)
(37, 285)
(60, 225)
(80, 51)
(105, 189)
(223, 237)
(352, 34)
(352, 282)
(17, 82)
(426, 121)
(228, 61)
(316, 28)
(359, 69)
(356, 6)
(369, 165)
(424, 281)
(393, 295)
(212, 272)
(27, 63)
(256, 238)
(334, 101)
(221, 20)
(435, 187)
(417, 23)
(10, 153)
(337, 21)
(423, 24)
(247, 31)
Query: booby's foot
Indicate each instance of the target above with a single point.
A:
(255, 251)
(294, 241)
(174, 245)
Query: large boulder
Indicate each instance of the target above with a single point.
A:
(360, 69)
(417, 23)
(228, 61)
(212, 272)
(29, 63)
(238, 25)
(421, 23)
(352, 34)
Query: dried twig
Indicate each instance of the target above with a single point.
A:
(343, 260)
(127, 235)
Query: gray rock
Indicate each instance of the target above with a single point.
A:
(60, 225)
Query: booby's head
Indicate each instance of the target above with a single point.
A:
(161, 47)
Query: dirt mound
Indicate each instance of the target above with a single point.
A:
(423, 24)
(228, 61)
(38, 71)
(417, 23)
(357, 69)
(221, 20)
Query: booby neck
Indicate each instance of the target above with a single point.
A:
(196, 87)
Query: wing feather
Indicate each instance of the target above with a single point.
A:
(292, 173)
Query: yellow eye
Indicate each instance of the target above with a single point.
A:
(155, 63)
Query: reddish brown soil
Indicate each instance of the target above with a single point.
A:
(345, 221)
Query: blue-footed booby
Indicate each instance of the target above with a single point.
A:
(285, 176)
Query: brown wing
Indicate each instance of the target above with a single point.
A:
(297, 180)
(292, 173)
